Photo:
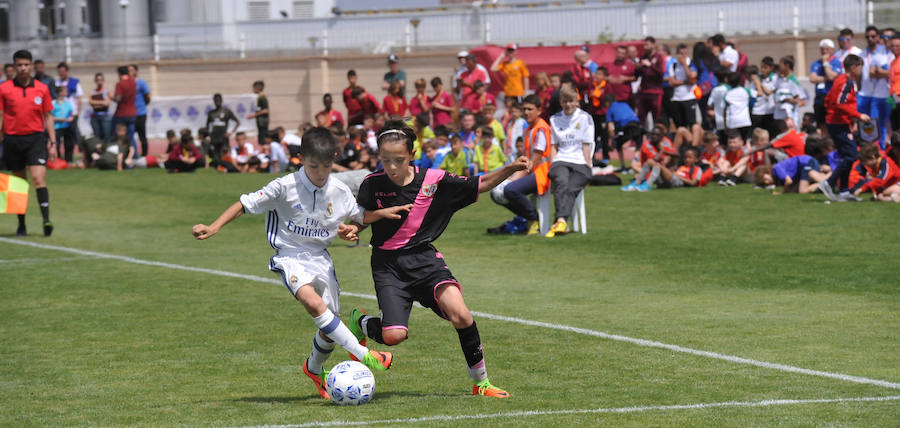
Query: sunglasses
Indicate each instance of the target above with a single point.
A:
(845, 38)
(887, 37)
(871, 36)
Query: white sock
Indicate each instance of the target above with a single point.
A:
(478, 372)
(320, 352)
(364, 324)
(335, 329)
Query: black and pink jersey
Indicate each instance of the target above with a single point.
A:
(435, 195)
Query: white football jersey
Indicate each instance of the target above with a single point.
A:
(302, 217)
(569, 134)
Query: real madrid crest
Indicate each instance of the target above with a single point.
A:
(293, 279)
(330, 210)
(578, 125)
(428, 191)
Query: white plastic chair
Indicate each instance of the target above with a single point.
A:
(579, 218)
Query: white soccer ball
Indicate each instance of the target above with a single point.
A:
(350, 383)
(497, 194)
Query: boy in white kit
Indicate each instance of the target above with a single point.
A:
(305, 211)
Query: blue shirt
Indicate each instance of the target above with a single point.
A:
(789, 167)
(142, 89)
(621, 114)
(424, 162)
(61, 110)
(818, 68)
(671, 60)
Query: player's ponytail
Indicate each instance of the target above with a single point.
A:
(396, 130)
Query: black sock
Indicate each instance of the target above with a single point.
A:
(373, 329)
(21, 220)
(471, 344)
(44, 201)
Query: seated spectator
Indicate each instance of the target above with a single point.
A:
(798, 174)
(477, 100)
(659, 149)
(348, 152)
(115, 153)
(488, 156)
(278, 160)
(689, 174)
(758, 155)
(737, 107)
(787, 144)
(184, 157)
(226, 162)
(762, 86)
(879, 174)
(423, 132)
(365, 104)
(455, 161)
(394, 104)
(734, 166)
(712, 154)
(241, 152)
(572, 143)
(487, 116)
(515, 129)
(622, 125)
(429, 153)
(289, 142)
(204, 144)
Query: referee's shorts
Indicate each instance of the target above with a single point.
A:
(20, 151)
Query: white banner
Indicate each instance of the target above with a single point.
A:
(173, 112)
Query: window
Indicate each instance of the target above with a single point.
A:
(258, 10)
(303, 9)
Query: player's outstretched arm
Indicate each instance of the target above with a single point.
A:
(495, 177)
(202, 231)
(392, 213)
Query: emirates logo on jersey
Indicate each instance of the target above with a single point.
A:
(428, 191)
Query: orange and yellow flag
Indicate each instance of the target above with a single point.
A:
(13, 194)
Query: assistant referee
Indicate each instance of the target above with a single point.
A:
(25, 125)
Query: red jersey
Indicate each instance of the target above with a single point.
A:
(394, 106)
(756, 160)
(470, 77)
(652, 76)
(441, 117)
(689, 173)
(792, 142)
(418, 104)
(625, 68)
(885, 174)
(126, 90)
(356, 115)
(712, 158)
(649, 151)
(24, 107)
(475, 103)
(331, 117)
(349, 101)
(734, 157)
(840, 103)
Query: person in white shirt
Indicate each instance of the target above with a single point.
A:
(278, 158)
(717, 102)
(289, 142)
(874, 89)
(737, 107)
(572, 144)
(845, 41)
(762, 86)
(789, 95)
(306, 210)
(728, 56)
(682, 75)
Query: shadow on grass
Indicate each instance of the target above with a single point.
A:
(313, 398)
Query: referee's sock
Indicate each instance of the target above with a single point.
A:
(338, 332)
(471, 347)
(43, 197)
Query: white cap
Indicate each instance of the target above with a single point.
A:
(826, 43)
(462, 54)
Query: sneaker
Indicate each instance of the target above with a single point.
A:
(722, 182)
(356, 327)
(644, 187)
(534, 228)
(22, 231)
(848, 197)
(318, 379)
(730, 182)
(486, 389)
(630, 187)
(624, 170)
(558, 228)
(378, 360)
(827, 190)
(770, 187)
(48, 228)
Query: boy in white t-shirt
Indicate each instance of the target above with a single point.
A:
(572, 144)
(306, 209)
(789, 95)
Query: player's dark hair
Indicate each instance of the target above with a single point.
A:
(351, 72)
(759, 173)
(788, 60)
(718, 40)
(751, 70)
(846, 32)
(732, 133)
(62, 65)
(680, 47)
(436, 81)
(650, 39)
(532, 99)
(186, 138)
(170, 133)
(217, 95)
(396, 131)
(734, 79)
(873, 28)
(603, 69)
(260, 84)
(318, 144)
(356, 92)
(8, 65)
(441, 131)
(780, 125)
(851, 61)
(768, 61)
(869, 151)
(487, 131)
(136, 68)
(122, 70)
(721, 74)
(240, 134)
(609, 97)
(22, 54)
(692, 149)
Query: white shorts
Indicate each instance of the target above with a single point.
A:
(315, 269)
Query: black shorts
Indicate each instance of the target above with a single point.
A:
(684, 113)
(819, 112)
(631, 132)
(404, 276)
(20, 151)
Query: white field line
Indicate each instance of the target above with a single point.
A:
(561, 327)
(636, 409)
(47, 261)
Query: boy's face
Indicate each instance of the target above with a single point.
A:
(520, 146)
(767, 179)
(531, 112)
(430, 152)
(456, 146)
(317, 170)
(121, 131)
(488, 110)
(441, 140)
(467, 122)
(783, 69)
(710, 146)
(240, 139)
(690, 157)
(487, 141)
(870, 162)
(599, 76)
(762, 141)
(515, 112)
(855, 71)
(764, 69)
(554, 82)
(734, 144)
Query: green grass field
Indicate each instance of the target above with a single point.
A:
(94, 340)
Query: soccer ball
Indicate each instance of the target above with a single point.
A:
(350, 383)
(497, 194)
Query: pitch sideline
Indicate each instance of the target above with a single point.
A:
(613, 410)
(561, 327)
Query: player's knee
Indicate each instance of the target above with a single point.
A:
(394, 336)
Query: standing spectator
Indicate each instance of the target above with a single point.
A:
(9, 72)
(874, 90)
(217, 124)
(75, 92)
(420, 102)
(41, 76)
(126, 111)
(582, 72)
(822, 73)
(330, 115)
(394, 74)
(651, 68)
(737, 107)
(463, 58)
(895, 83)
(25, 124)
(544, 88)
(101, 121)
(394, 103)
(465, 81)
(516, 72)
(349, 102)
(840, 106)
(707, 64)
(762, 114)
(515, 129)
(682, 75)
(728, 56)
(262, 112)
(140, 103)
(364, 104)
(597, 109)
(717, 103)
(442, 104)
(621, 74)
(789, 95)
(63, 118)
(845, 41)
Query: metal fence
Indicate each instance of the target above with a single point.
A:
(552, 23)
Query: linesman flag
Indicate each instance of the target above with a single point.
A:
(13, 194)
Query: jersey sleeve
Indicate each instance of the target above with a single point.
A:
(540, 142)
(262, 200)
(366, 195)
(587, 135)
(457, 192)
